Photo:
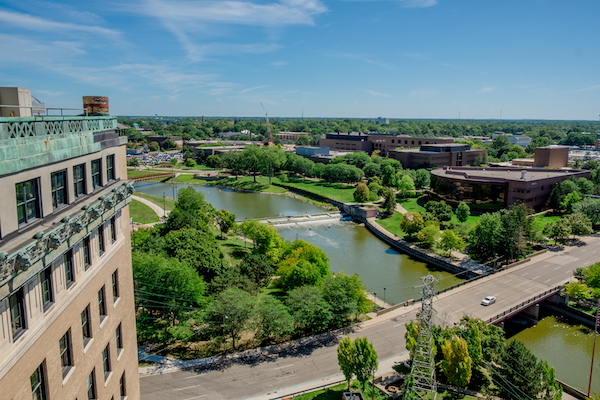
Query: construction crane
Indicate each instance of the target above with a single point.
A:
(270, 141)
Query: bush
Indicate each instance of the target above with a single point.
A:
(361, 194)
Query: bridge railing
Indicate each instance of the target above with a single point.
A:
(535, 299)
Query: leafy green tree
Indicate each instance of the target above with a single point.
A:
(591, 275)
(257, 268)
(485, 237)
(302, 250)
(559, 192)
(411, 223)
(173, 161)
(578, 291)
(303, 140)
(388, 175)
(274, 319)
(441, 210)
(585, 186)
(405, 186)
(570, 200)
(429, 235)
(235, 161)
(346, 353)
(390, 201)
(266, 240)
(463, 212)
(411, 335)
(297, 273)
(457, 362)
(230, 313)
(253, 156)
(361, 194)
(516, 231)
(310, 311)
(558, 231)
(372, 169)
(191, 211)
(214, 161)
(198, 249)
(451, 241)
(422, 178)
(190, 163)
(271, 159)
(345, 295)
(365, 363)
(168, 145)
(580, 224)
(590, 207)
(226, 221)
(153, 146)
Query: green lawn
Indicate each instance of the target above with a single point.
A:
(168, 202)
(243, 182)
(141, 213)
(540, 221)
(335, 191)
(391, 224)
(335, 392)
(200, 167)
(414, 205)
(132, 173)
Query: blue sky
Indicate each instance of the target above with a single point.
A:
(515, 59)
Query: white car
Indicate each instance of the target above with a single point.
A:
(488, 300)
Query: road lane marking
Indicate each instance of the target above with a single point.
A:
(189, 387)
(286, 376)
(526, 273)
(510, 280)
(460, 309)
(546, 266)
(556, 268)
(478, 293)
(547, 280)
(285, 366)
(197, 397)
(399, 324)
(521, 284)
(536, 277)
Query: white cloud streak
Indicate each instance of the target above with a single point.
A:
(377, 94)
(253, 88)
(487, 89)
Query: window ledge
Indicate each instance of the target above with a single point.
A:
(103, 319)
(116, 301)
(86, 344)
(107, 378)
(119, 353)
(68, 374)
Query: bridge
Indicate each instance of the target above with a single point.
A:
(304, 219)
(314, 359)
(162, 175)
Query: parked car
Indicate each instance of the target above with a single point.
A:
(488, 300)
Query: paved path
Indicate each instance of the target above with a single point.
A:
(302, 365)
(157, 209)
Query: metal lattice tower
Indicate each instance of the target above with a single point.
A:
(422, 372)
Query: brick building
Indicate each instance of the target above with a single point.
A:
(67, 317)
(439, 155)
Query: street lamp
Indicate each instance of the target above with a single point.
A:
(375, 298)
(384, 297)
(224, 318)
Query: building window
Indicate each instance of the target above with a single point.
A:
(17, 313)
(66, 358)
(38, 383)
(115, 285)
(119, 335)
(87, 256)
(91, 386)
(68, 263)
(110, 168)
(86, 328)
(102, 304)
(122, 388)
(59, 188)
(79, 180)
(113, 230)
(46, 279)
(28, 201)
(106, 361)
(96, 173)
(101, 245)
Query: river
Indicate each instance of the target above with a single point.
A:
(350, 246)
(567, 347)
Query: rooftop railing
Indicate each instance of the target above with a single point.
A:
(47, 126)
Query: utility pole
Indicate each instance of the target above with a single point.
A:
(422, 370)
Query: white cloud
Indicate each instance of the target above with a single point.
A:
(364, 58)
(423, 93)
(279, 63)
(33, 23)
(589, 88)
(487, 89)
(253, 88)
(377, 94)
(410, 3)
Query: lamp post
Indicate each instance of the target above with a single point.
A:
(384, 297)
(224, 318)
(375, 298)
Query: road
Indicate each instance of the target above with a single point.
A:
(236, 379)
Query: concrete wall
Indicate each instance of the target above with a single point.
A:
(15, 96)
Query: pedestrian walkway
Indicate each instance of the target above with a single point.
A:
(156, 208)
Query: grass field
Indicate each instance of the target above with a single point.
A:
(132, 173)
(243, 182)
(168, 202)
(141, 213)
(391, 224)
(335, 392)
(335, 191)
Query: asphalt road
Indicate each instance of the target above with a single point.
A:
(234, 379)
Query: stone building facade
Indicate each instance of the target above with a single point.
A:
(67, 322)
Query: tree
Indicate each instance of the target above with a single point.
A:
(405, 185)
(457, 362)
(451, 241)
(235, 161)
(133, 162)
(345, 295)
(388, 175)
(274, 319)
(271, 159)
(428, 236)
(253, 159)
(173, 161)
(558, 231)
(303, 140)
(361, 194)
(590, 207)
(578, 291)
(422, 178)
(463, 212)
(366, 360)
(580, 224)
(153, 146)
(226, 221)
(441, 210)
(266, 240)
(230, 313)
(191, 211)
(257, 268)
(190, 163)
(297, 273)
(559, 192)
(346, 353)
(569, 201)
(168, 144)
(372, 169)
(310, 311)
(485, 237)
(390, 201)
(411, 223)
(214, 161)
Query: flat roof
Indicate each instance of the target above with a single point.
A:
(500, 174)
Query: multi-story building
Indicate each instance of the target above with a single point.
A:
(67, 323)
(369, 142)
(439, 155)
(293, 136)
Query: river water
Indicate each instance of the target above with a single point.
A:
(567, 347)
(350, 246)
